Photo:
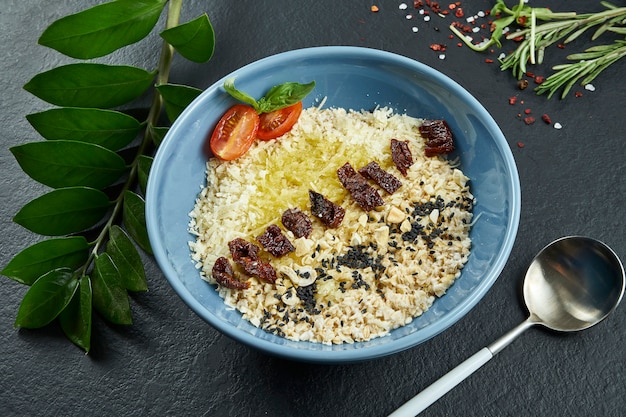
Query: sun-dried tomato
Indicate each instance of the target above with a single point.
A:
(546, 119)
(401, 155)
(224, 275)
(382, 178)
(328, 212)
(296, 221)
(246, 254)
(438, 137)
(275, 242)
(364, 194)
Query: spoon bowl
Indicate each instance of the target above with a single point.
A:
(572, 284)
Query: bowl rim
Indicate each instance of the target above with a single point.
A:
(345, 355)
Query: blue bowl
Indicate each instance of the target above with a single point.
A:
(356, 78)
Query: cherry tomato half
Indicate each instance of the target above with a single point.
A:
(235, 132)
(279, 122)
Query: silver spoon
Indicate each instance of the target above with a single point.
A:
(572, 284)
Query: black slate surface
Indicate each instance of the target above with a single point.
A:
(169, 362)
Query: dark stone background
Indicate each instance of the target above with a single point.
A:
(169, 362)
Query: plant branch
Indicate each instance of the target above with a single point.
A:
(164, 65)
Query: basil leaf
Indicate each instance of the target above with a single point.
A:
(144, 163)
(110, 298)
(103, 29)
(135, 220)
(110, 129)
(63, 211)
(65, 163)
(127, 260)
(176, 98)
(158, 134)
(90, 85)
(75, 319)
(195, 40)
(36, 260)
(284, 95)
(229, 86)
(46, 298)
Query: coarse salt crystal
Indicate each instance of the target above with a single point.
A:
(414, 29)
(475, 29)
(421, 11)
(442, 56)
(557, 125)
(403, 6)
(590, 87)
(470, 19)
(502, 56)
(409, 16)
(481, 14)
(426, 18)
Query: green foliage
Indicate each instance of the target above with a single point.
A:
(96, 158)
(194, 40)
(108, 128)
(176, 98)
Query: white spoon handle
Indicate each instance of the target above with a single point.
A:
(444, 384)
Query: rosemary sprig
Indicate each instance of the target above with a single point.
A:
(557, 27)
(537, 37)
(590, 64)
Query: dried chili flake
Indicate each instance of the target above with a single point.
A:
(520, 144)
(438, 47)
(489, 61)
(530, 74)
(527, 111)
(451, 6)
(539, 79)
(529, 120)
(560, 45)
(374, 9)
(512, 100)
(459, 12)
(578, 94)
(546, 118)
(521, 20)
(417, 4)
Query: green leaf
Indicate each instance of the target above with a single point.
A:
(135, 220)
(195, 40)
(66, 163)
(158, 134)
(63, 211)
(110, 298)
(229, 86)
(127, 260)
(110, 129)
(90, 85)
(144, 165)
(284, 95)
(46, 298)
(176, 98)
(103, 29)
(75, 319)
(36, 260)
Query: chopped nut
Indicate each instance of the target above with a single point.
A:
(395, 215)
